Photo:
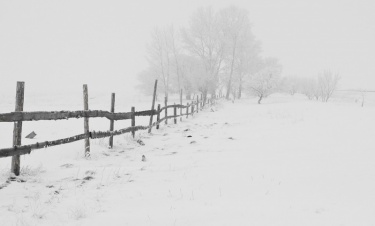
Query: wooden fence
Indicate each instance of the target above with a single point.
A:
(19, 116)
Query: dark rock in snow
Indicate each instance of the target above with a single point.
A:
(88, 178)
(31, 135)
(143, 158)
(140, 142)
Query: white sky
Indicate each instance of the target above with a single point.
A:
(59, 45)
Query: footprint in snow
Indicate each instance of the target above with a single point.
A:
(67, 165)
(90, 172)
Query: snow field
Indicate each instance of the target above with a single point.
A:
(286, 162)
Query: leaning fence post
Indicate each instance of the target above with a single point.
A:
(153, 106)
(17, 130)
(175, 113)
(112, 122)
(86, 128)
(181, 104)
(166, 109)
(133, 120)
(187, 110)
(158, 117)
(192, 108)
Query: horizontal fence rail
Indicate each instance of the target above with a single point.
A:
(26, 149)
(60, 115)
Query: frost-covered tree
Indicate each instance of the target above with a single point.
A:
(216, 52)
(309, 87)
(235, 25)
(266, 81)
(191, 70)
(174, 44)
(292, 84)
(247, 63)
(327, 83)
(160, 57)
(204, 40)
(146, 80)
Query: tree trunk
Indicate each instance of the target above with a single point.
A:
(213, 94)
(260, 99)
(240, 90)
(231, 70)
(205, 96)
(228, 88)
(166, 96)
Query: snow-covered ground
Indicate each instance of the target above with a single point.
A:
(288, 161)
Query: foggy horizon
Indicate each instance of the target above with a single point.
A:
(58, 46)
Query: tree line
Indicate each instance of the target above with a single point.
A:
(217, 53)
(320, 87)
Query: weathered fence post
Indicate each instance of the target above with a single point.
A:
(112, 122)
(86, 128)
(166, 110)
(192, 108)
(158, 117)
(17, 130)
(153, 105)
(175, 113)
(133, 120)
(181, 104)
(202, 101)
(187, 110)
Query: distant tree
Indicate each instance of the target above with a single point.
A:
(204, 40)
(265, 82)
(174, 45)
(146, 80)
(160, 57)
(235, 26)
(309, 87)
(327, 83)
(216, 52)
(246, 65)
(292, 85)
(191, 73)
